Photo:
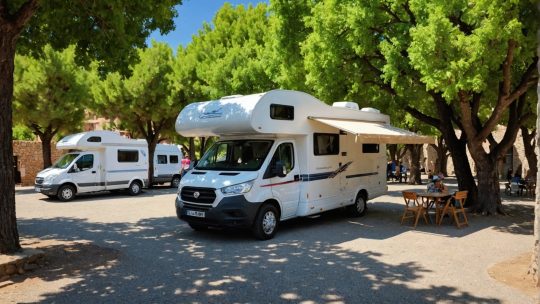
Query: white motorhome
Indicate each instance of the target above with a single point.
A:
(283, 154)
(105, 160)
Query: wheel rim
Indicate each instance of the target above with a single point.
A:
(269, 222)
(135, 188)
(360, 205)
(67, 193)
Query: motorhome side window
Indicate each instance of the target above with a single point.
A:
(173, 159)
(281, 112)
(162, 159)
(94, 139)
(370, 148)
(326, 144)
(128, 156)
(85, 162)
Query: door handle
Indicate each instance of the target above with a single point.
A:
(93, 172)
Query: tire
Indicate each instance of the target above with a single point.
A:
(175, 182)
(198, 227)
(359, 208)
(66, 193)
(266, 222)
(135, 188)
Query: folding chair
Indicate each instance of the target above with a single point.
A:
(413, 208)
(454, 207)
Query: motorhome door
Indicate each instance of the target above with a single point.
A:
(286, 188)
(86, 174)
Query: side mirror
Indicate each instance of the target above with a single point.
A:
(279, 169)
(74, 168)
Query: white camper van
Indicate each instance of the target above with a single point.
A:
(283, 154)
(104, 160)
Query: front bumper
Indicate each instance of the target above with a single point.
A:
(233, 211)
(46, 189)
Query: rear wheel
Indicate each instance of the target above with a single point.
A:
(175, 182)
(360, 205)
(66, 193)
(266, 223)
(135, 188)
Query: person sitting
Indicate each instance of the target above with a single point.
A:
(436, 185)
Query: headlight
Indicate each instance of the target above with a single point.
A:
(237, 189)
(50, 178)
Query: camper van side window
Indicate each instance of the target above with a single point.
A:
(325, 144)
(162, 159)
(94, 139)
(370, 148)
(173, 159)
(128, 156)
(281, 112)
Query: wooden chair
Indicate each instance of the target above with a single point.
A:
(454, 207)
(413, 208)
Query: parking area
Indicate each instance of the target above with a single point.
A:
(138, 251)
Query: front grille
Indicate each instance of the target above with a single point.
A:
(206, 195)
(39, 180)
(197, 207)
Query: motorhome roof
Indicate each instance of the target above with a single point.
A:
(97, 139)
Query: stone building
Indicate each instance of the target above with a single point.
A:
(29, 159)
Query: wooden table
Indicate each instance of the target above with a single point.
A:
(437, 199)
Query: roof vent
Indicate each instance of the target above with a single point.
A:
(346, 104)
(371, 110)
(231, 96)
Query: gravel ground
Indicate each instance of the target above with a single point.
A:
(148, 255)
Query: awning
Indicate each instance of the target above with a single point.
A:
(377, 132)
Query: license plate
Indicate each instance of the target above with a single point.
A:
(195, 213)
(37, 189)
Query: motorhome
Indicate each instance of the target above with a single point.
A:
(280, 155)
(105, 160)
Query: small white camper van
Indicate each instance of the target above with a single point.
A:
(104, 160)
(281, 155)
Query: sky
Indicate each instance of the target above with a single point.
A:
(191, 16)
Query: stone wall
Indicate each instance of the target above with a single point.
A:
(30, 159)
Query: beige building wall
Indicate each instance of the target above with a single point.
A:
(30, 159)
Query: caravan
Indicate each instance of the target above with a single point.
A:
(104, 160)
(283, 154)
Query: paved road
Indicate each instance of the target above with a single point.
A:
(329, 259)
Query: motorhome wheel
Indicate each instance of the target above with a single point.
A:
(266, 223)
(175, 182)
(360, 205)
(134, 188)
(66, 193)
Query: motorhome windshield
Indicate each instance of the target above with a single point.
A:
(65, 160)
(236, 155)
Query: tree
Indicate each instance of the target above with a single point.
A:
(143, 102)
(102, 30)
(469, 61)
(50, 95)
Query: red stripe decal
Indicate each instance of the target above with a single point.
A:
(277, 184)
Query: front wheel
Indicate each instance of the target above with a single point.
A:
(135, 188)
(66, 193)
(360, 205)
(266, 223)
(175, 182)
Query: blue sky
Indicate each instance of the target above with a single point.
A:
(191, 16)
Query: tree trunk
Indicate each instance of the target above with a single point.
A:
(151, 151)
(442, 157)
(9, 235)
(415, 177)
(46, 150)
(534, 268)
(529, 143)
(203, 146)
(192, 148)
(489, 194)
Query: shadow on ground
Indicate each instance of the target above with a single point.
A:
(164, 260)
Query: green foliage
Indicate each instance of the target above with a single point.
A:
(107, 31)
(51, 93)
(21, 132)
(225, 57)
